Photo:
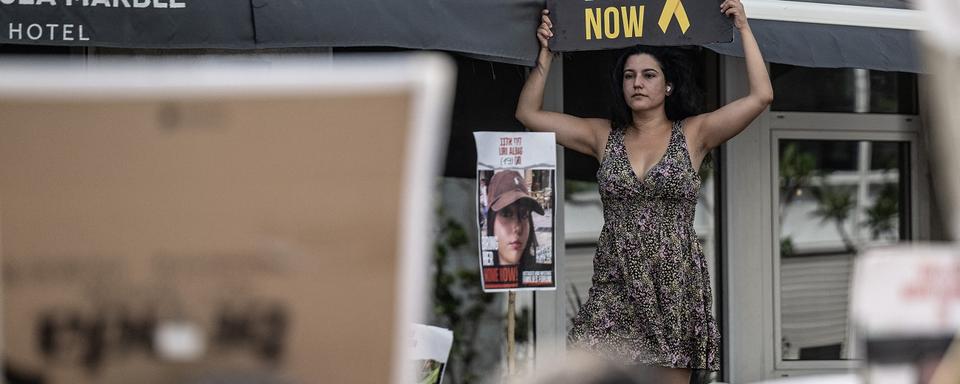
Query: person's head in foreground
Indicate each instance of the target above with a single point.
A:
(580, 367)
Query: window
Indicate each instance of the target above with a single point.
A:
(836, 198)
(842, 183)
(803, 89)
(809, 183)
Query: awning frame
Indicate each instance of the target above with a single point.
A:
(835, 14)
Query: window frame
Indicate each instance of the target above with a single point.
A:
(832, 126)
(747, 247)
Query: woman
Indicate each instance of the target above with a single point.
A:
(650, 300)
(509, 218)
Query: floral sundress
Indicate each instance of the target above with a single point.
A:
(650, 302)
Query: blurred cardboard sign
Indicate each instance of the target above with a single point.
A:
(941, 58)
(907, 291)
(604, 24)
(209, 222)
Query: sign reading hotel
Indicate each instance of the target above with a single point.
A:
(125, 23)
(582, 25)
(516, 187)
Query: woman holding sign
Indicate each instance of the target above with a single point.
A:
(650, 303)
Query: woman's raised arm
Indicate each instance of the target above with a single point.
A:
(586, 136)
(716, 127)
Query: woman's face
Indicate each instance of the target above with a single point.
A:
(512, 230)
(644, 85)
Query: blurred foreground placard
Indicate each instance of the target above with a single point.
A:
(941, 56)
(906, 306)
(232, 224)
(907, 291)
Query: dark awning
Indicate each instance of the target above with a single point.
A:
(831, 46)
(496, 30)
(128, 23)
(499, 30)
(856, 38)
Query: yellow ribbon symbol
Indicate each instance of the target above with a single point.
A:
(674, 7)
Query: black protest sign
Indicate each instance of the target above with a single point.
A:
(582, 25)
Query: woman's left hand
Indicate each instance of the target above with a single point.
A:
(734, 10)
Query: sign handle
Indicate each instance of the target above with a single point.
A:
(511, 330)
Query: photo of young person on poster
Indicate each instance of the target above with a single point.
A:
(510, 208)
(517, 251)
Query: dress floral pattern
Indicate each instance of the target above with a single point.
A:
(650, 300)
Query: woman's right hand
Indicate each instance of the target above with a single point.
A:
(545, 31)
(581, 135)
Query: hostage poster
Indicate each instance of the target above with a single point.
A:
(516, 184)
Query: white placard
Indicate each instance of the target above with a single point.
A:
(907, 291)
(516, 187)
(430, 348)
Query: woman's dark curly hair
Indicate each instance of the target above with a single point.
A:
(684, 101)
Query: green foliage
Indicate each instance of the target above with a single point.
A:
(834, 204)
(573, 187)
(796, 169)
(786, 246)
(430, 372)
(882, 215)
(459, 301)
